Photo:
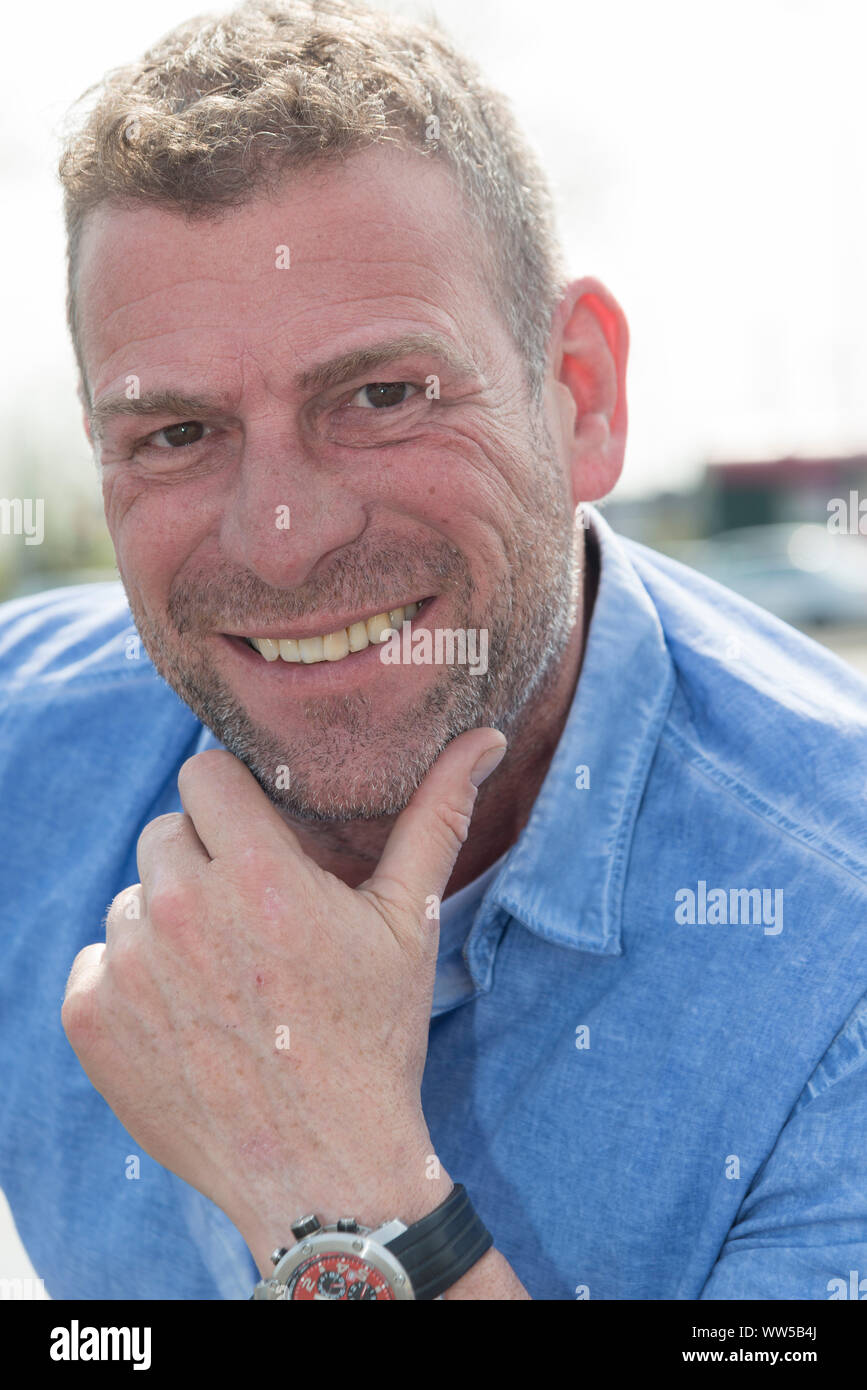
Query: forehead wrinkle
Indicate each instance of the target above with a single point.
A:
(109, 315)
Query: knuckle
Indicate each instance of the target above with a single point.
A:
(79, 1013)
(124, 907)
(167, 826)
(203, 762)
(453, 826)
(173, 908)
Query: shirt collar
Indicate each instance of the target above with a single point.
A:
(564, 876)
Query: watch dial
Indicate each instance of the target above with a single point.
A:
(337, 1276)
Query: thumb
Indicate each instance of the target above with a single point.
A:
(421, 850)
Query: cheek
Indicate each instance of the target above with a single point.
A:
(149, 535)
(454, 482)
(125, 502)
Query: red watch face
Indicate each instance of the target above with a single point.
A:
(337, 1276)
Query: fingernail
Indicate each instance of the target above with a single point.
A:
(491, 758)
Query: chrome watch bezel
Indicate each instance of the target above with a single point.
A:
(359, 1244)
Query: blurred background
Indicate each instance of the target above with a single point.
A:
(709, 164)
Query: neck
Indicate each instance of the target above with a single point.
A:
(351, 851)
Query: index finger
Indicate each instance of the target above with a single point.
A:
(229, 809)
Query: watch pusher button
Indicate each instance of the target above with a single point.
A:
(347, 1223)
(305, 1227)
(277, 1255)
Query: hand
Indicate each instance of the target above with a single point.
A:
(257, 1026)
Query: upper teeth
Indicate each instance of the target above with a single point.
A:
(334, 646)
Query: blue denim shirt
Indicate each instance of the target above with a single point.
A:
(648, 1048)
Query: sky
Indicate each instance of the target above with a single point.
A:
(709, 164)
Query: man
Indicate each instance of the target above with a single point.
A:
(344, 403)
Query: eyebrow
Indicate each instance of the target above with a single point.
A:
(317, 378)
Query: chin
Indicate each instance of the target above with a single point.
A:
(344, 800)
(339, 782)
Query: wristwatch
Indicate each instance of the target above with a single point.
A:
(346, 1261)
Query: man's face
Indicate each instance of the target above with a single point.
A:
(391, 495)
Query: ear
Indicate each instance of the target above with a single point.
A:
(590, 351)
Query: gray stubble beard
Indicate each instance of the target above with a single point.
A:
(530, 621)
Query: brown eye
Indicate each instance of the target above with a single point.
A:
(377, 394)
(190, 432)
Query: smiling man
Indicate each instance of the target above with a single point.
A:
(361, 970)
(431, 498)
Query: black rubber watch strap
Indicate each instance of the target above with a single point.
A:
(439, 1249)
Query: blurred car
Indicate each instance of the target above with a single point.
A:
(803, 574)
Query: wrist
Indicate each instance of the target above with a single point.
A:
(423, 1187)
(347, 1261)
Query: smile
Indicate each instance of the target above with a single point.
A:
(335, 646)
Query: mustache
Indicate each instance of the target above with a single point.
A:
(204, 603)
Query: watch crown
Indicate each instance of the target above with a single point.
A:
(277, 1255)
(347, 1223)
(305, 1227)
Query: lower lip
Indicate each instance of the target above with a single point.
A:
(322, 676)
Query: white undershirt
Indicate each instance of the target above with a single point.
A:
(457, 913)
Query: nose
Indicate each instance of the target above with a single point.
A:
(289, 509)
